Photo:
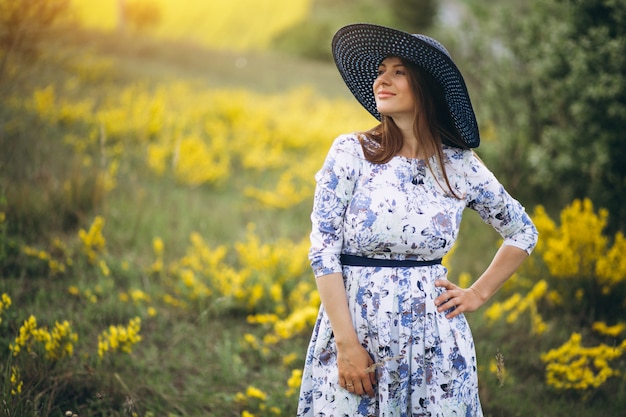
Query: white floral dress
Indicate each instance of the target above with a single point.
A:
(398, 210)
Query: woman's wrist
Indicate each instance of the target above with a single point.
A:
(478, 294)
(346, 339)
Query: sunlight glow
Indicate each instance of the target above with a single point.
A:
(234, 25)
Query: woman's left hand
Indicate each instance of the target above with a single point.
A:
(459, 299)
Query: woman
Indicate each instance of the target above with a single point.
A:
(391, 338)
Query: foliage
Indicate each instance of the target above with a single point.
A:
(24, 24)
(552, 84)
(311, 38)
(415, 16)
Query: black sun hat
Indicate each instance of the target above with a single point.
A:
(358, 49)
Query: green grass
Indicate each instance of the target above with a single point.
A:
(266, 72)
(193, 362)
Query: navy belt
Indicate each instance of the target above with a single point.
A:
(354, 260)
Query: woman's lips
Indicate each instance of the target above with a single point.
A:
(384, 94)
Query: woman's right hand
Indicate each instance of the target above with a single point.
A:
(355, 373)
(353, 360)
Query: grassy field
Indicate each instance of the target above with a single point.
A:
(215, 270)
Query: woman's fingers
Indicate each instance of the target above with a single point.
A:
(456, 299)
(361, 386)
(353, 375)
(445, 300)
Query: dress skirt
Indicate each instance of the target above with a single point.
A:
(425, 363)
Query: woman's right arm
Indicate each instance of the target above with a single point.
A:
(335, 185)
(352, 358)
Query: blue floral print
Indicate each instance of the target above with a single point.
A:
(425, 363)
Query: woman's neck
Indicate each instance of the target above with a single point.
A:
(412, 145)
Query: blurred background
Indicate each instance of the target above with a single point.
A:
(156, 176)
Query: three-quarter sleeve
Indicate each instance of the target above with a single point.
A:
(497, 208)
(335, 183)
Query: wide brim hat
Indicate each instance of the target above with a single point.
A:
(359, 49)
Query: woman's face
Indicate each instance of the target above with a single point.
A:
(392, 91)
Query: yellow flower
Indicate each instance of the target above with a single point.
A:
(93, 240)
(613, 331)
(611, 267)
(579, 294)
(157, 246)
(254, 392)
(119, 338)
(251, 340)
(290, 358)
(16, 382)
(5, 303)
(104, 268)
(294, 382)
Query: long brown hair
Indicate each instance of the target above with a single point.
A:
(431, 115)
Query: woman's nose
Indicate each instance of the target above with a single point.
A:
(382, 79)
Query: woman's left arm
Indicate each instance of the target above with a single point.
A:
(496, 207)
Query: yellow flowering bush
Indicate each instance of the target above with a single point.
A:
(576, 245)
(572, 366)
(293, 383)
(55, 266)
(605, 330)
(200, 136)
(37, 352)
(119, 338)
(56, 344)
(256, 399)
(16, 381)
(200, 273)
(93, 240)
(584, 274)
(611, 267)
(578, 249)
(516, 305)
(270, 268)
(264, 279)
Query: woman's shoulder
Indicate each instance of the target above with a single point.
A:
(457, 156)
(348, 139)
(349, 143)
(464, 162)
